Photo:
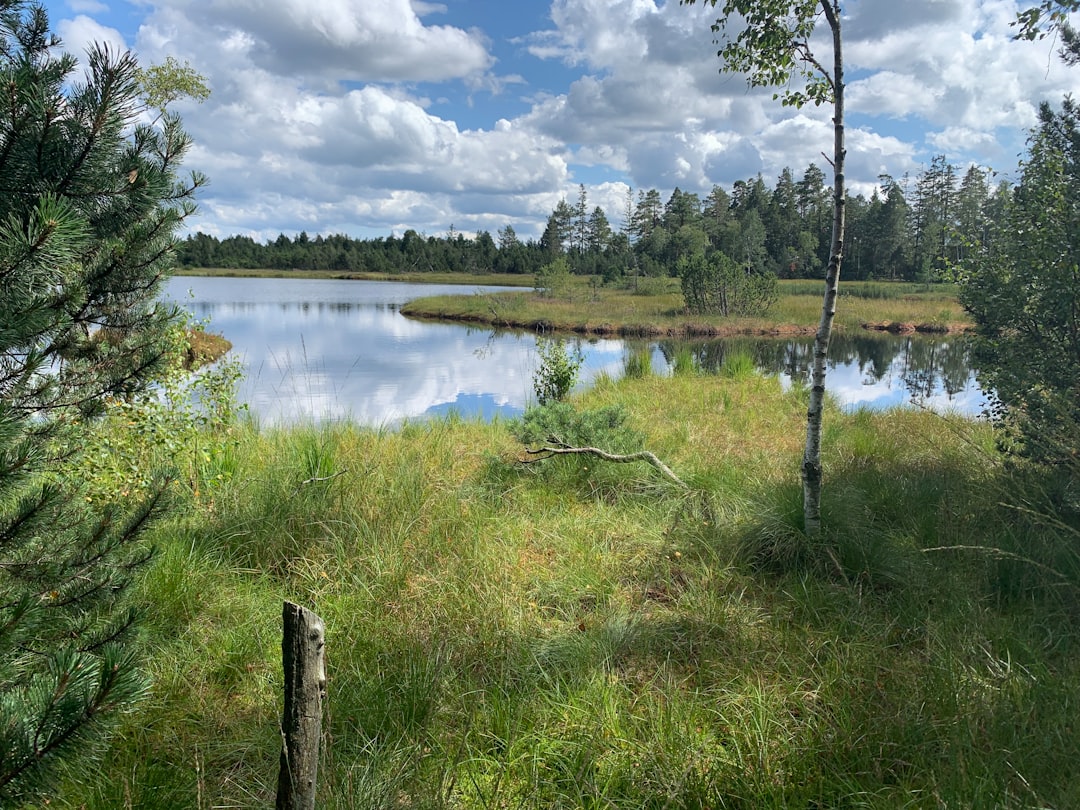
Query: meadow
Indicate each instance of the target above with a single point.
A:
(571, 633)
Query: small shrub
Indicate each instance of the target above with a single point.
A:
(647, 285)
(716, 285)
(558, 371)
(562, 423)
(553, 279)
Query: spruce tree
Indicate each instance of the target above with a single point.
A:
(91, 200)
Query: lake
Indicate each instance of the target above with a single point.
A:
(325, 349)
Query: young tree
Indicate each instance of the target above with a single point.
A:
(647, 215)
(92, 201)
(933, 215)
(772, 47)
(508, 238)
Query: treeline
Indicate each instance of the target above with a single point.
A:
(909, 229)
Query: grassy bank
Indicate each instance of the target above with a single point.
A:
(474, 279)
(575, 634)
(656, 308)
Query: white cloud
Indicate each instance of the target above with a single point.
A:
(81, 33)
(344, 39)
(365, 116)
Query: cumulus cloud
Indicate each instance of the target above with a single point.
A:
(366, 117)
(345, 39)
(82, 32)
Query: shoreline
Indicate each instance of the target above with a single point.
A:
(689, 330)
(538, 320)
(462, 279)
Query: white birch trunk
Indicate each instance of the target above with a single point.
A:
(811, 467)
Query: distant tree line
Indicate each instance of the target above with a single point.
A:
(910, 229)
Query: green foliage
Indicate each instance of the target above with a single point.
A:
(716, 285)
(648, 285)
(495, 638)
(738, 364)
(86, 230)
(683, 363)
(772, 46)
(561, 423)
(1022, 288)
(165, 83)
(189, 419)
(557, 372)
(553, 279)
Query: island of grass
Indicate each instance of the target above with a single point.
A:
(652, 307)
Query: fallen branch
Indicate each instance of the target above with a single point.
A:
(627, 458)
(317, 479)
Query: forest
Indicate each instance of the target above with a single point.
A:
(910, 229)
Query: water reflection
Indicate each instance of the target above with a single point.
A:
(870, 369)
(325, 349)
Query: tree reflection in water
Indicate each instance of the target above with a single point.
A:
(915, 368)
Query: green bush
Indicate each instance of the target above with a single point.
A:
(716, 285)
(558, 371)
(553, 279)
(561, 423)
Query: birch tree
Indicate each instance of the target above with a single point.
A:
(769, 42)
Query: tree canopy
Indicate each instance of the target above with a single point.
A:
(1021, 284)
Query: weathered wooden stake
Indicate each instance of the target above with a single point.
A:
(301, 723)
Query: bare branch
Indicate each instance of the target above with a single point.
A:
(617, 458)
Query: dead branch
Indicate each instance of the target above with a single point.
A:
(618, 458)
(317, 479)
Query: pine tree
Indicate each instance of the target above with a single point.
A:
(90, 206)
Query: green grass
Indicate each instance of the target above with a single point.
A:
(573, 634)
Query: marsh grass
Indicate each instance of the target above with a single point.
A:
(659, 310)
(509, 636)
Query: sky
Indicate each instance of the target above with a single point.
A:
(371, 117)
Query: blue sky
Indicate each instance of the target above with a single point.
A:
(368, 117)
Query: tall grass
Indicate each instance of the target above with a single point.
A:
(514, 635)
(638, 363)
(873, 290)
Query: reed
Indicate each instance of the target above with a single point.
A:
(501, 634)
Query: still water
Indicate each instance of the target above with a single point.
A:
(323, 349)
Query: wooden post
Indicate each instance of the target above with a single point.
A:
(302, 645)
